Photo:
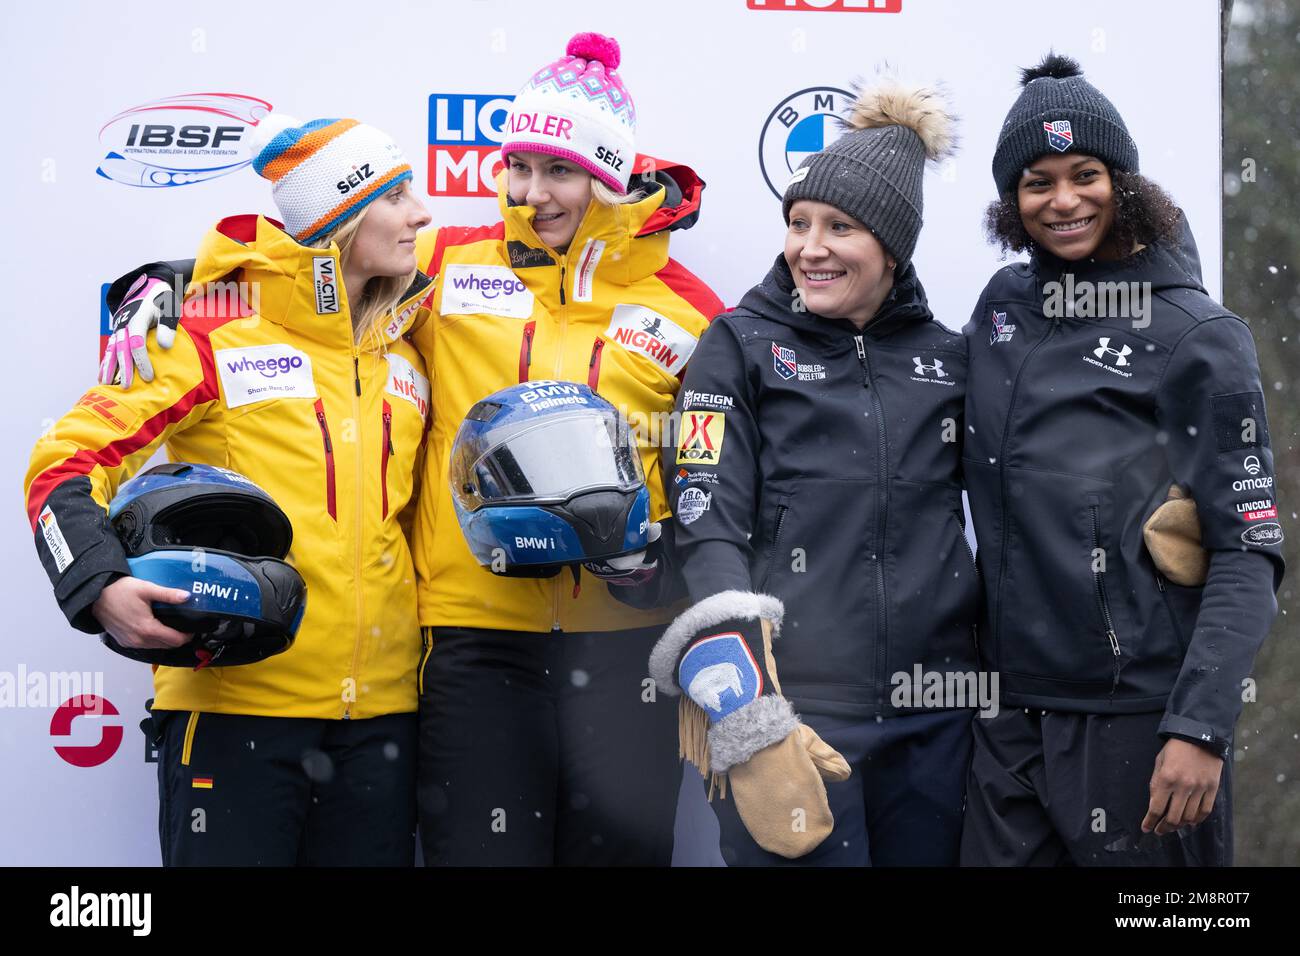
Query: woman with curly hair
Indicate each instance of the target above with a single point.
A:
(1101, 379)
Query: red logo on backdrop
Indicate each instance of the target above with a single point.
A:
(465, 135)
(832, 6)
(110, 738)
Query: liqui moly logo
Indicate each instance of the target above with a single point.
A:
(830, 6)
(465, 135)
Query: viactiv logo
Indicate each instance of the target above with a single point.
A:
(180, 140)
(465, 135)
(268, 367)
(87, 705)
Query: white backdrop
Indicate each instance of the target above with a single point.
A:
(705, 76)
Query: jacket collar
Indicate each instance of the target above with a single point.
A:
(629, 239)
(295, 286)
(773, 298)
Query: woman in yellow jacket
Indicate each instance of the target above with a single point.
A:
(542, 739)
(306, 386)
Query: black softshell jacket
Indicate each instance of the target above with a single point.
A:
(1076, 427)
(821, 465)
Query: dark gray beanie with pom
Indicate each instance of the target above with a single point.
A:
(1060, 112)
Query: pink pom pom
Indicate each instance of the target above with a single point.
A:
(595, 46)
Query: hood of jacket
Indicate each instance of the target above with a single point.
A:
(632, 237)
(774, 299)
(297, 286)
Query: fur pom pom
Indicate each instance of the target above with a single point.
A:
(1054, 65)
(921, 109)
(595, 46)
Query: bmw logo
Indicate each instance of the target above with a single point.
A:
(801, 124)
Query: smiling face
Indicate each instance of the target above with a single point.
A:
(1067, 204)
(841, 270)
(557, 189)
(384, 244)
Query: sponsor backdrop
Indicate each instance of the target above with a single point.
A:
(129, 124)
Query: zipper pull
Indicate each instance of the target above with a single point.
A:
(1160, 582)
(356, 372)
(862, 360)
(1114, 642)
(325, 432)
(562, 272)
(388, 432)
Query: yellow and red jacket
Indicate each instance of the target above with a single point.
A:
(614, 311)
(272, 387)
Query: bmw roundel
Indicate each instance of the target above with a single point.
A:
(800, 125)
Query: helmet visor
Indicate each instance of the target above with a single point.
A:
(550, 461)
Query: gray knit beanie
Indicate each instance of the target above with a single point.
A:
(873, 172)
(1059, 111)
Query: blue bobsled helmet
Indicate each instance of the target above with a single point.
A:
(212, 532)
(546, 475)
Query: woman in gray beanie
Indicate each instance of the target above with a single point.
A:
(818, 503)
(1101, 374)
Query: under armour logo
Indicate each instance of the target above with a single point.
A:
(922, 368)
(1103, 349)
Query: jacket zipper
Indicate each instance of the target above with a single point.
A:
(360, 503)
(1100, 583)
(776, 538)
(996, 617)
(384, 455)
(593, 367)
(526, 350)
(882, 499)
(330, 501)
(559, 377)
(427, 634)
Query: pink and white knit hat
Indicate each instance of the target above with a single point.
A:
(578, 109)
(325, 171)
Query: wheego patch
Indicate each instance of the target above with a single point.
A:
(485, 289)
(405, 381)
(655, 336)
(720, 674)
(262, 372)
(701, 438)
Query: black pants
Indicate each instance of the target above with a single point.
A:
(1059, 789)
(235, 790)
(545, 749)
(902, 805)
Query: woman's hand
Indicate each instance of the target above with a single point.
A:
(1183, 787)
(125, 611)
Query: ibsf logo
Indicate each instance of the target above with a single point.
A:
(801, 124)
(110, 736)
(831, 6)
(179, 140)
(465, 135)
